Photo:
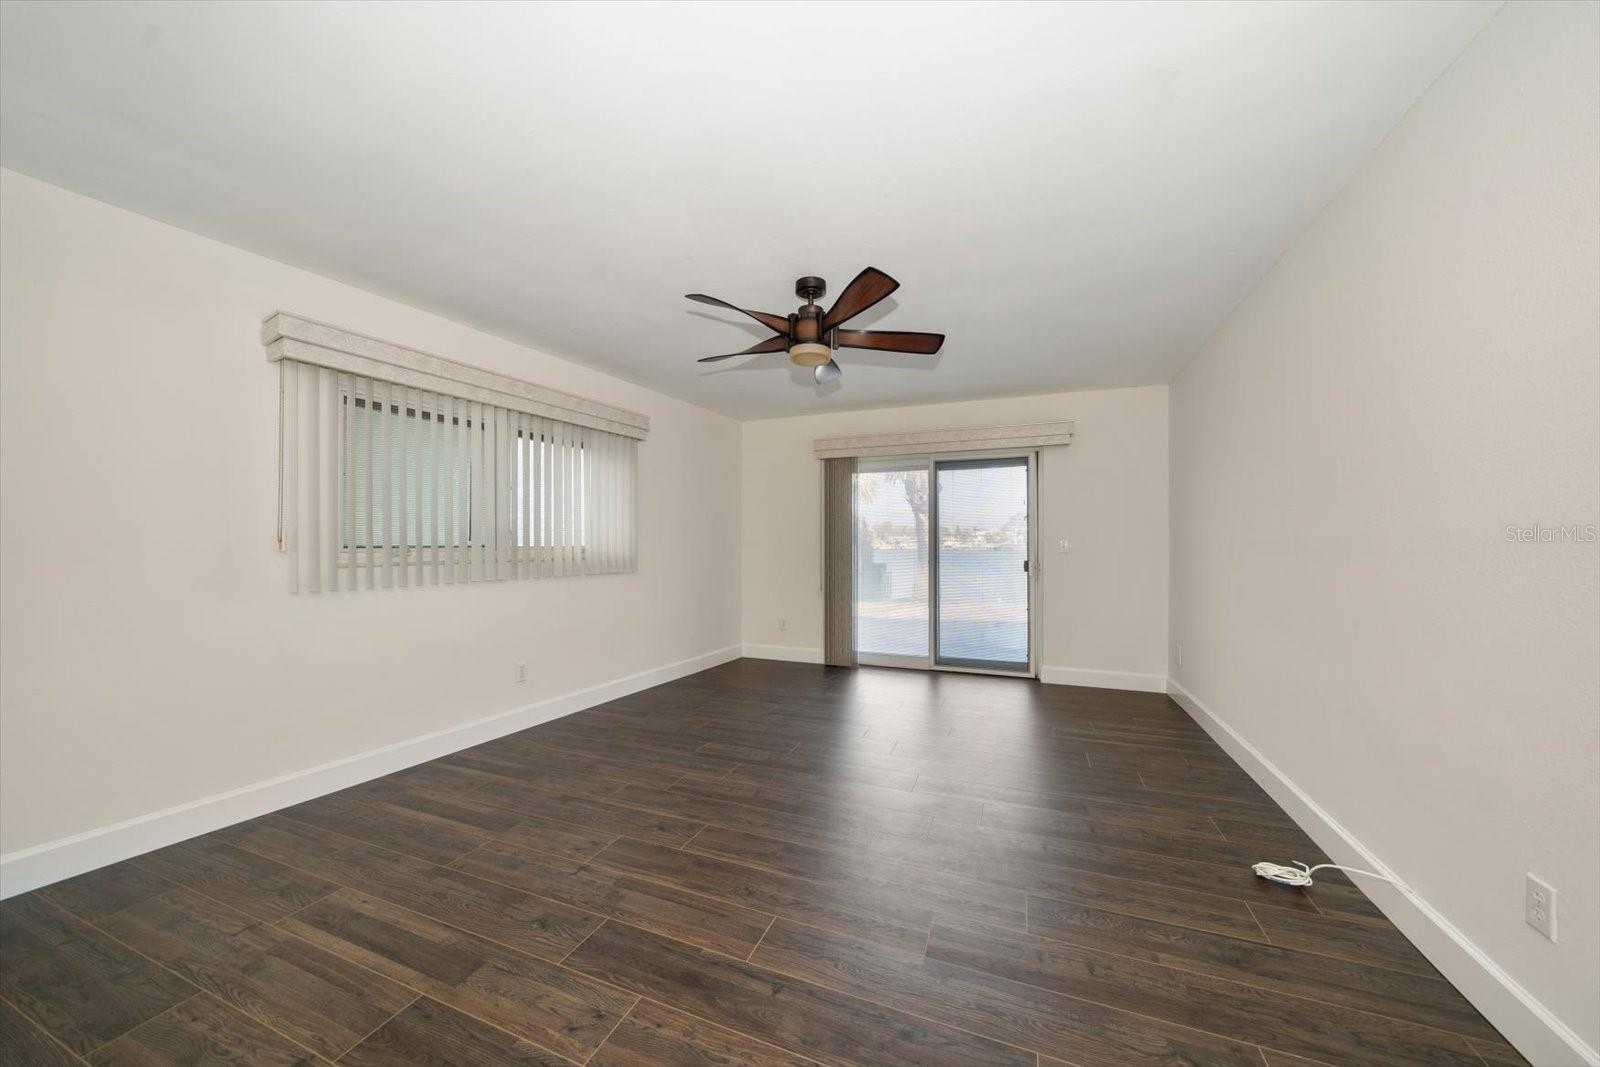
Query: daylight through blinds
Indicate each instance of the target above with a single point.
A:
(384, 485)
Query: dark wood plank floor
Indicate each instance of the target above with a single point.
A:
(766, 863)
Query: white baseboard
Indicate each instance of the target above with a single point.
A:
(1533, 1028)
(790, 653)
(30, 868)
(1142, 683)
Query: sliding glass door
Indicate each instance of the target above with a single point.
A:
(943, 577)
(981, 517)
(892, 562)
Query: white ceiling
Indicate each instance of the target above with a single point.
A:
(1075, 194)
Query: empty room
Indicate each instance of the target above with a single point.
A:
(902, 534)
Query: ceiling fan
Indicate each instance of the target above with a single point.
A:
(812, 336)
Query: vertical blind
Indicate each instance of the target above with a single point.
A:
(838, 562)
(382, 485)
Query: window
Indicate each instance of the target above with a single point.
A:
(388, 485)
(417, 437)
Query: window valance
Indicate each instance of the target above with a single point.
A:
(974, 439)
(289, 336)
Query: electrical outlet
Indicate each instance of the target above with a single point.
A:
(522, 673)
(783, 625)
(1539, 907)
(1063, 544)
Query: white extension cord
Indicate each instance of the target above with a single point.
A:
(1300, 874)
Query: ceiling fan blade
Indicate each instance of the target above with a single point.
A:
(864, 290)
(827, 372)
(922, 344)
(771, 344)
(775, 323)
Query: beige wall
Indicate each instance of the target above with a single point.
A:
(1104, 607)
(1416, 373)
(150, 654)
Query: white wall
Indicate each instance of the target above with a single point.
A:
(1416, 373)
(150, 654)
(1104, 608)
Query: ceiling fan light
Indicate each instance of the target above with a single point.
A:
(809, 354)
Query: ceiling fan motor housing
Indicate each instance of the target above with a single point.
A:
(806, 347)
